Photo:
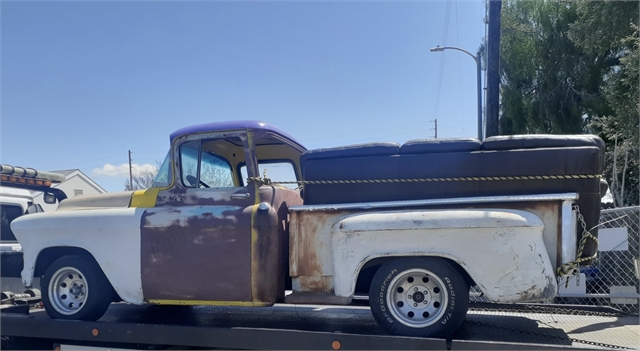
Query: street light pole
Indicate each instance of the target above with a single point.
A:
(478, 59)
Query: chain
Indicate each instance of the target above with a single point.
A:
(267, 181)
(557, 337)
(573, 267)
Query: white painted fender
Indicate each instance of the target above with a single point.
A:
(502, 250)
(112, 236)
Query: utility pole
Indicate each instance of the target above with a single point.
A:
(435, 129)
(493, 68)
(130, 173)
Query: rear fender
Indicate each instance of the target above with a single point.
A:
(502, 250)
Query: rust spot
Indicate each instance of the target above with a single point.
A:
(318, 284)
(336, 345)
(95, 332)
(310, 241)
(272, 248)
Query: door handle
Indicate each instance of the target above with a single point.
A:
(240, 196)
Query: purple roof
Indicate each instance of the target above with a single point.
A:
(255, 126)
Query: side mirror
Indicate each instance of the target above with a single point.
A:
(34, 209)
(604, 186)
(49, 198)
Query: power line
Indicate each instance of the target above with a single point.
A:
(373, 138)
(85, 161)
(449, 126)
(365, 132)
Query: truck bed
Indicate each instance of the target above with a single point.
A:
(309, 327)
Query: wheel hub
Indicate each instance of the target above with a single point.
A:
(67, 290)
(417, 298)
(420, 297)
(77, 290)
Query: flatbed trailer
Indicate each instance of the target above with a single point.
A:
(280, 327)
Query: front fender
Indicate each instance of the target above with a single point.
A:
(502, 250)
(111, 236)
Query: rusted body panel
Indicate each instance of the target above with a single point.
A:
(311, 256)
(237, 244)
(322, 246)
(269, 258)
(193, 234)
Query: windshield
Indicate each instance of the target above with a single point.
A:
(163, 178)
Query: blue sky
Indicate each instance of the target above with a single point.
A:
(84, 82)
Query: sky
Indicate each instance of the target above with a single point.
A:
(84, 82)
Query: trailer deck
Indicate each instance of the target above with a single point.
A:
(316, 327)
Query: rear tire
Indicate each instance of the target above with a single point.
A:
(421, 296)
(74, 287)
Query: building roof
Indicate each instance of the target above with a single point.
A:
(71, 172)
(66, 172)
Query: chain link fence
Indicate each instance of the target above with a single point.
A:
(612, 279)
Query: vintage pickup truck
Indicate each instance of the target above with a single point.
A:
(413, 226)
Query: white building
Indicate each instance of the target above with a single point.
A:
(76, 184)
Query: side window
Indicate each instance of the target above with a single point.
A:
(7, 214)
(276, 171)
(203, 169)
(215, 172)
(163, 178)
(189, 163)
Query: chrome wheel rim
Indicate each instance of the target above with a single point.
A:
(68, 290)
(417, 298)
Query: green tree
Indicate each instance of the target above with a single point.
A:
(570, 67)
(621, 129)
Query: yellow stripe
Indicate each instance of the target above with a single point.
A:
(254, 232)
(254, 243)
(208, 303)
(144, 198)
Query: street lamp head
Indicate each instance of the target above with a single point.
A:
(437, 49)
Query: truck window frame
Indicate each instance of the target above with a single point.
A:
(199, 163)
(242, 165)
(6, 228)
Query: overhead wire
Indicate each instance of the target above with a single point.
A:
(365, 132)
(377, 138)
(124, 154)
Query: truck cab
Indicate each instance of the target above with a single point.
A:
(207, 215)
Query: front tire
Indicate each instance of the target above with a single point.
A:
(421, 296)
(74, 287)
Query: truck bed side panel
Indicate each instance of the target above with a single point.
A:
(503, 251)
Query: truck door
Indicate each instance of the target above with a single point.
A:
(196, 241)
